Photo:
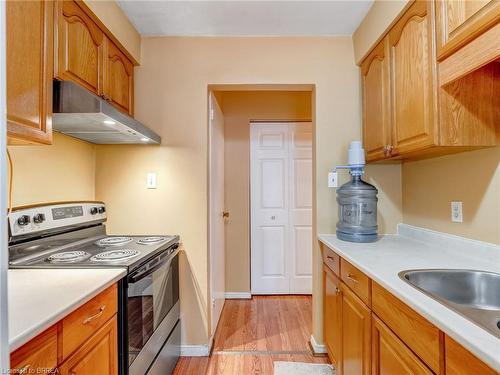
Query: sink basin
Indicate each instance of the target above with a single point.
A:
(473, 294)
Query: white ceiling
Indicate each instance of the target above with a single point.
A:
(246, 18)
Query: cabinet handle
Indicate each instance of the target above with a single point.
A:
(352, 278)
(90, 318)
(330, 257)
(23, 370)
(337, 290)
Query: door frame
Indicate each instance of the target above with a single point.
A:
(211, 326)
(313, 204)
(4, 318)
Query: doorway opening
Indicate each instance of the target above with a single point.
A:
(272, 114)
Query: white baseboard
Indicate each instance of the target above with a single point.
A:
(197, 350)
(317, 348)
(238, 295)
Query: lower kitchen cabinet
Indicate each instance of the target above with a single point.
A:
(333, 325)
(459, 361)
(80, 344)
(39, 353)
(390, 356)
(369, 331)
(356, 337)
(97, 355)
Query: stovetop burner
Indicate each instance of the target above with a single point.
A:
(151, 240)
(68, 257)
(115, 255)
(113, 241)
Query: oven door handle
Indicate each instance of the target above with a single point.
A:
(141, 275)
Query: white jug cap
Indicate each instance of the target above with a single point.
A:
(356, 153)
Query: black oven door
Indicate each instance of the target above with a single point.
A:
(152, 306)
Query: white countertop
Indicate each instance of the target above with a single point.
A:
(38, 298)
(415, 248)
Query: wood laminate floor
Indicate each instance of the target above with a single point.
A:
(252, 334)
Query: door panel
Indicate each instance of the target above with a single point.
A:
(356, 338)
(376, 102)
(300, 163)
(80, 47)
(29, 58)
(390, 356)
(217, 242)
(333, 318)
(461, 21)
(272, 183)
(273, 249)
(281, 205)
(99, 354)
(413, 77)
(269, 208)
(119, 79)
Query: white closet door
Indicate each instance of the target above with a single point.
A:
(300, 208)
(281, 208)
(269, 213)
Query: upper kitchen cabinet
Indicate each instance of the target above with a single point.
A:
(29, 71)
(118, 79)
(89, 55)
(410, 112)
(376, 102)
(80, 48)
(413, 71)
(459, 22)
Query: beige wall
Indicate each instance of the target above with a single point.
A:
(60, 172)
(240, 107)
(471, 177)
(171, 97)
(379, 17)
(117, 22)
(428, 186)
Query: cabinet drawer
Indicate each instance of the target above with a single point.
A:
(84, 322)
(38, 355)
(356, 280)
(331, 260)
(417, 333)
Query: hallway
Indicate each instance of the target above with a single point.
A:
(252, 334)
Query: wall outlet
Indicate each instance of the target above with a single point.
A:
(456, 212)
(151, 180)
(333, 180)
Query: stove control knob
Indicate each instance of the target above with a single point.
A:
(93, 210)
(39, 218)
(23, 220)
(102, 210)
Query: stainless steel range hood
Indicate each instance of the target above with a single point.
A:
(79, 113)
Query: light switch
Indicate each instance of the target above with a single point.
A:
(456, 212)
(332, 180)
(151, 180)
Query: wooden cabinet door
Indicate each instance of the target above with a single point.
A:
(118, 79)
(356, 342)
(390, 356)
(80, 47)
(376, 102)
(460, 21)
(413, 77)
(459, 361)
(333, 318)
(29, 71)
(98, 355)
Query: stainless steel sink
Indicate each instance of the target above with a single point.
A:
(473, 294)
